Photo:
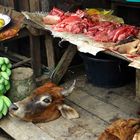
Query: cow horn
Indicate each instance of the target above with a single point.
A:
(66, 92)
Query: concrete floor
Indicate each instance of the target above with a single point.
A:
(97, 107)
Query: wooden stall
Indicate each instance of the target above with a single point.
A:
(30, 32)
(97, 109)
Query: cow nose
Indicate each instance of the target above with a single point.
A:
(14, 107)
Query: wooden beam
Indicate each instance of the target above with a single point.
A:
(35, 54)
(138, 83)
(23, 5)
(22, 130)
(49, 51)
(21, 62)
(63, 64)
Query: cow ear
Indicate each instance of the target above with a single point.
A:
(68, 112)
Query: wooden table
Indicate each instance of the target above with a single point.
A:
(35, 50)
(61, 67)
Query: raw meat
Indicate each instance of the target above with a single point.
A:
(54, 16)
(79, 22)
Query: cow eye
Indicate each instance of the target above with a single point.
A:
(46, 100)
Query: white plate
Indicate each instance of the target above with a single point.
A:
(6, 19)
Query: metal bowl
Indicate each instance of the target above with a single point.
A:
(6, 19)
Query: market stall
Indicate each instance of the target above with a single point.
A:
(106, 33)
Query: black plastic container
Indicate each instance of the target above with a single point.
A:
(107, 71)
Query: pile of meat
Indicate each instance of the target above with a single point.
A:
(80, 22)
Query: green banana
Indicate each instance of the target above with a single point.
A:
(6, 101)
(7, 87)
(1, 80)
(1, 103)
(5, 75)
(1, 60)
(4, 110)
(6, 82)
(3, 67)
(6, 60)
(9, 65)
(1, 87)
(8, 71)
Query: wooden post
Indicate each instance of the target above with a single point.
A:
(49, 51)
(63, 64)
(138, 83)
(22, 5)
(22, 83)
(35, 54)
(34, 5)
(11, 3)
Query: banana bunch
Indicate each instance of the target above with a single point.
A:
(4, 105)
(5, 73)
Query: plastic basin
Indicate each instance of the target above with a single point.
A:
(107, 71)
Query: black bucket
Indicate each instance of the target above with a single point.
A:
(107, 71)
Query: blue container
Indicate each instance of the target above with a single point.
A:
(107, 71)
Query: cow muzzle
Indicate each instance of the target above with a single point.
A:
(15, 110)
(13, 107)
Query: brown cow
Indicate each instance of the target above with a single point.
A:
(122, 130)
(46, 103)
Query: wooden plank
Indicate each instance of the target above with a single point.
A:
(34, 5)
(112, 97)
(87, 127)
(138, 83)
(23, 130)
(21, 62)
(35, 54)
(63, 64)
(103, 110)
(49, 51)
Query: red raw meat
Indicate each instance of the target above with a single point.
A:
(102, 36)
(49, 19)
(55, 11)
(54, 16)
(124, 31)
(79, 22)
(73, 24)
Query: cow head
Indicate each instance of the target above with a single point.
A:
(44, 104)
